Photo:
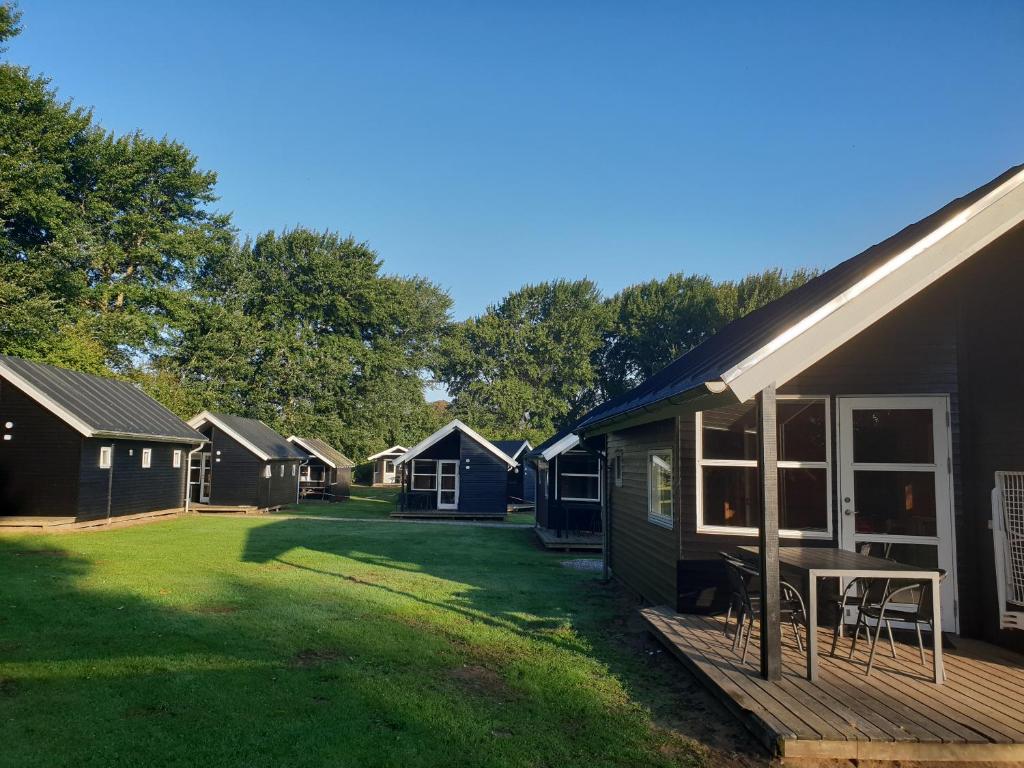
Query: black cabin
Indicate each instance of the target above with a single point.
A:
(246, 464)
(522, 480)
(85, 447)
(326, 473)
(569, 481)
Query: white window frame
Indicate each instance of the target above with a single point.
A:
(787, 533)
(267, 472)
(176, 459)
(436, 475)
(618, 468)
(293, 470)
(147, 458)
(106, 456)
(282, 470)
(559, 474)
(656, 517)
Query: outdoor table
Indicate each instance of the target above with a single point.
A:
(827, 562)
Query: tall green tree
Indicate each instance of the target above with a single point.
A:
(302, 329)
(528, 365)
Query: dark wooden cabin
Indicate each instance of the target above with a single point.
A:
(326, 473)
(522, 481)
(455, 473)
(898, 377)
(569, 482)
(85, 447)
(386, 469)
(246, 464)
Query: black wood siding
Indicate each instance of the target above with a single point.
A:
(482, 479)
(238, 476)
(132, 489)
(39, 464)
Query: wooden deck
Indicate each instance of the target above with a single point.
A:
(229, 509)
(444, 514)
(896, 714)
(589, 542)
(42, 524)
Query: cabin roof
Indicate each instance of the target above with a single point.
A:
(96, 406)
(323, 451)
(394, 450)
(512, 447)
(777, 341)
(253, 434)
(446, 430)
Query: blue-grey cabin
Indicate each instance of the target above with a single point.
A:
(455, 472)
(569, 486)
(84, 447)
(896, 378)
(522, 480)
(245, 465)
(326, 473)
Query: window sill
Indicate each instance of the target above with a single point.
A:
(660, 520)
(724, 530)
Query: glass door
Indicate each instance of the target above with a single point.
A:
(205, 478)
(895, 485)
(448, 485)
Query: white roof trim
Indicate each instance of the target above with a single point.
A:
(208, 418)
(393, 450)
(446, 430)
(524, 447)
(314, 451)
(568, 442)
(45, 401)
(877, 294)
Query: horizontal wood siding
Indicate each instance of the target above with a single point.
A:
(282, 486)
(237, 475)
(39, 464)
(643, 555)
(133, 489)
(342, 483)
(544, 485)
(482, 479)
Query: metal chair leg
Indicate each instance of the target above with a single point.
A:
(796, 634)
(874, 643)
(892, 643)
(728, 618)
(856, 636)
(746, 642)
(920, 642)
(741, 616)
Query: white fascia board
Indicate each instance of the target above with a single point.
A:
(393, 450)
(208, 418)
(46, 402)
(299, 441)
(568, 442)
(524, 447)
(880, 292)
(446, 430)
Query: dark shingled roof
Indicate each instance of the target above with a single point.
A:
(509, 447)
(322, 449)
(739, 339)
(107, 407)
(260, 435)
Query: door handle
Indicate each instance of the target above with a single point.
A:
(847, 511)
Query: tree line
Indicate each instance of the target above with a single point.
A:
(114, 260)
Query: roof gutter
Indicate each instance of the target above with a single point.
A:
(644, 413)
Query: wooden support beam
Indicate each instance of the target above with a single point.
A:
(768, 536)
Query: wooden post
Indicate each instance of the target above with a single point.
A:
(768, 537)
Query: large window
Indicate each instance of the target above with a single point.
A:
(659, 487)
(424, 475)
(579, 476)
(728, 500)
(311, 474)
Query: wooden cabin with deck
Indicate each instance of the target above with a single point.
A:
(570, 485)
(326, 474)
(77, 448)
(455, 473)
(386, 471)
(870, 413)
(246, 466)
(522, 481)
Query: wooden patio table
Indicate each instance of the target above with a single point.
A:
(828, 562)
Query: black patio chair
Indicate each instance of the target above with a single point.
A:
(883, 611)
(746, 601)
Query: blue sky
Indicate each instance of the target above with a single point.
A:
(486, 145)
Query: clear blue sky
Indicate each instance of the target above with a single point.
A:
(486, 145)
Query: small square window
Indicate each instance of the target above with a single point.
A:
(618, 468)
(147, 458)
(176, 461)
(266, 471)
(282, 470)
(106, 456)
(293, 470)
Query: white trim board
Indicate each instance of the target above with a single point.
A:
(205, 417)
(394, 450)
(567, 443)
(446, 430)
(299, 441)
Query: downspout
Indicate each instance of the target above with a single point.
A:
(298, 479)
(188, 476)
(110, 484)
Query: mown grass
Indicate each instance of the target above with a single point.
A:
(247, 641)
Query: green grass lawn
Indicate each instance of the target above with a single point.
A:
(255, 641)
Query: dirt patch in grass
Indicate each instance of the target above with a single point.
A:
(315, 657)
(481, 681)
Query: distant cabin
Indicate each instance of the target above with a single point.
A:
(326, 473)
(570, 485)
(385, 468)
(522, 480)
(246, 464)
(455, 473)
(84, 447)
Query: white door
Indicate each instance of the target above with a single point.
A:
(389, 472)
(447, 484)
(202, 466)
(895, 485)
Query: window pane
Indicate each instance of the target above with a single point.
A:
(801, 430)
(731, 497)
(578, 463)
(660, 499)
(893, 436)
(803, 499)
(424, 482)
(574, 487)
(730, 432)
(895, 502)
